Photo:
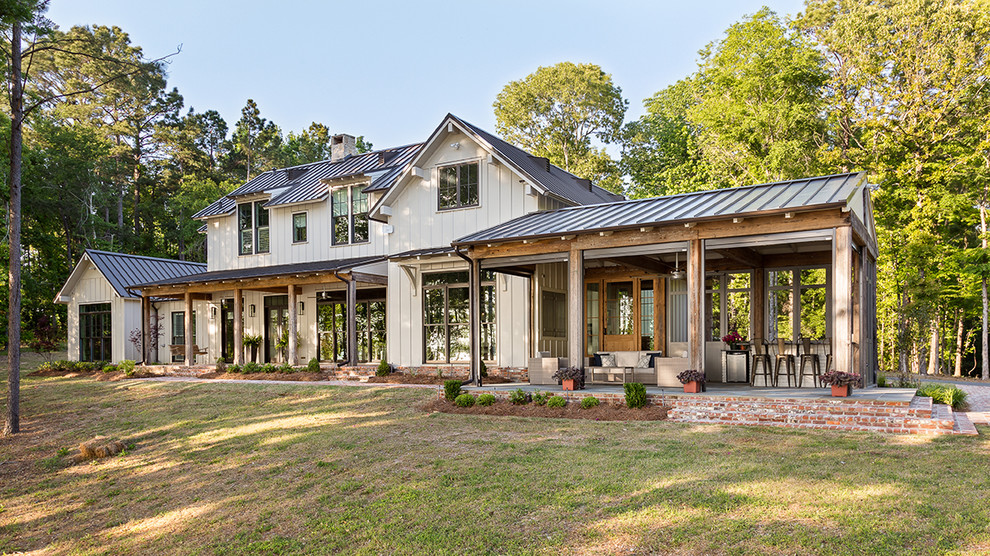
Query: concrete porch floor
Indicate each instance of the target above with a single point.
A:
(902, 395)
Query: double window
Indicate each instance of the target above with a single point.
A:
(349, 215)
(798, 304)
(252, 224)
(446, 317)
(331, 328)
(95, 330)
(299, 227)
(458, 186)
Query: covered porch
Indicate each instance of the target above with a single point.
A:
(790, 267)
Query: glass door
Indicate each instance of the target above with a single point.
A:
(227, 330)
(620, 316)
(276, 327)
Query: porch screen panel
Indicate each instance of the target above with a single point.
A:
(738, 304)
(781, 306)
(814, 316)
(592, 318)
(713, 308)
(677, 311)
(95, 332)
(646, 315)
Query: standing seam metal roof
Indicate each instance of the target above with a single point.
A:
(122, 269)
(263, 271)
(795, 194)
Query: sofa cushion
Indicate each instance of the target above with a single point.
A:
(645, 360)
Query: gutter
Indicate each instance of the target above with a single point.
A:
(471, 377)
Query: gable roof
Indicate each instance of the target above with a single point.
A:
(802, 194)
(123, 270)
(304, 183)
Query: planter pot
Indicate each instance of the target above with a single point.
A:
(692, 387)
(569, 384)
(840, 391)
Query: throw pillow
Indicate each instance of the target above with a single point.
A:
(596, 360)
(653, 355)
(645, 360)
(608, 360)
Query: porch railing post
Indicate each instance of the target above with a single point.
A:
(238, 327)
(575, 308)
(696, 294)
(190, 355)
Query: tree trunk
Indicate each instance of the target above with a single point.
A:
(934, 353)
(13, 424)
(960, 346)
(984, 352)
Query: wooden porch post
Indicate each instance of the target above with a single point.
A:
(293, 355)
(842, 298)
(352, 357)
(189, 330)
(696, 294)
(145, 329)
(759, 301)
(575, 309)
(238, 327)
(474, 312)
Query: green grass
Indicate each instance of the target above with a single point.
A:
(285, 469)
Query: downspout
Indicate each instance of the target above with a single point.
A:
(471, 377)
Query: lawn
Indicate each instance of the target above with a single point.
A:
(272, 469)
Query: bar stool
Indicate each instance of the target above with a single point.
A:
(809, 356)
(761, 354)
(788, 360)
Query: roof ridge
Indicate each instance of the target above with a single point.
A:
(116, 254)
(325, 160)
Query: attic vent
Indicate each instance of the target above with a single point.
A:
(586, 183)
(542, 162)
(293, 173)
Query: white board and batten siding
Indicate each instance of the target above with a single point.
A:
(92, 287)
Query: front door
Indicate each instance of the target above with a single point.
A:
(620, 316)
(227, 330)
(276, 327)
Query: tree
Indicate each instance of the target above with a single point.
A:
(256, 140)
(559, 111)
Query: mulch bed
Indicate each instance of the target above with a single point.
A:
(573, 410)
(300, 376)
(403, 378)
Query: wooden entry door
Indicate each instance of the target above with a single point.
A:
(620, 316)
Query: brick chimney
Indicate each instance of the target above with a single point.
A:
(342, 146)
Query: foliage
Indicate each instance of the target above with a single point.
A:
(250, 368)
(569, 373)
(635, 394)
(484, 370)
(313, 366)
(252, 341)
(285, 368)
(839, 378)
(451, 389)
(732, 337)
(221, 366)
(109, 368)
(690, 375)
(519, 397)
(540, 398)
(269, 368)
(127, 367)
(589, 402)
(235, 369)
(558, 111)
(556, 401)
(464, 400)
(384, 369)
(45, 337)
(943, 393)
(486, 399)
(881, 380)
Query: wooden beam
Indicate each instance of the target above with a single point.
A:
(841, 299)
(575, 306)
(238, 327)
(245, 284)
(366, 278)
(696, 295)
(758, 300)
(643, 263)
(145, 330)
(744, 255)
(189, 331)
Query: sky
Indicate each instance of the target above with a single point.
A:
(391, 70)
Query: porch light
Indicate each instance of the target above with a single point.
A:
(213, 313)
(251, 310)
(677, 274)
(302, 307)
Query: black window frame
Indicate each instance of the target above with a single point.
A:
(457, 280)
(95, 317)
(459, 187)
(305, 228)
(258, 213)
(180, 338)
(351, 213)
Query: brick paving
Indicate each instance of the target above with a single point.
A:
(978, 398)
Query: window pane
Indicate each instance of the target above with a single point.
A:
(487, 303)
(457, 305)
(447, 188)
(780, 278)
(244, 217)
(813, 315)
(646, 314)
(445, 278)
(263, 240)
(435, 308)
(468, 184)
(359, 209)
(592, 318)
(713, 316)
(436, 344)
(813, 277)
(247, 242)
(460, 343)
(739, 281)
(488, 341)
(737, 309)
(299, 227)
(781, 315)
(339, 202)
(340, 236)
(260, 214)
(619, 309)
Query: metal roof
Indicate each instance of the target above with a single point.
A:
(121, 269)
(422, 252)
(262, 272)
(554, 179)
(307, 184)
(801, 194)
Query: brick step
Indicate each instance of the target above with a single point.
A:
(897, 429)
(791, 407)
(944, 422)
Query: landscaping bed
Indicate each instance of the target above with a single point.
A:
(602, 412)
(302, 376)
(404, 378)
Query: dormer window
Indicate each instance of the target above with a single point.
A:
(349, 218)
(458, 186)
(252, 224)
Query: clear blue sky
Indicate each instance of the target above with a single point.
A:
(391, 70)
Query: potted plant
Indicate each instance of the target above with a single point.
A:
(840, 382)
(253, 342)
(734, 340)
(692, 380)
(570, 377)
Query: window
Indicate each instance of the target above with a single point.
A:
(677, 310)
(727, 299)
(798, 303)
(299, 227)
(446, 318)
(95, 331)
(458, 186)
(592, 317)
(349, 215)
(554, 314)
(252, 225)
(331, 327)
(179, 332)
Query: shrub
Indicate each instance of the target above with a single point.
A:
(839, 378)
(451, 389)
(285, 368)
(250, 368)
(945, 394)
(384, 369)
(269, 368)
(127, 366)
(221, 365)
(234, 369)
(109, 368)
(518, 397)
(569, 373)
(540, 398)
(589, 402)
(635, 394)
(464, 400)
(690, 375)
(881, 381)
(313, 366)
(556, 401)
(486, 399)
(484, 370)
